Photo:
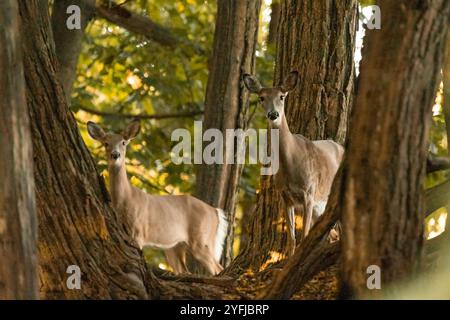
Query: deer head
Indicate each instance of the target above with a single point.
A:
(272, 98)
(115, 143)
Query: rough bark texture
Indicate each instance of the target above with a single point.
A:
(446, 82)
(77, 226)
(317, 39)
(226, 103)
(18, 225)
(274, 22)
(68, 42)
(382, 210)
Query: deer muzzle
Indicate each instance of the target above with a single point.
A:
(273, 115)
(115, 155)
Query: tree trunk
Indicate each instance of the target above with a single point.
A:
(68, 42)
(226, 103)
(446, 82)
(18, 225)
(274, 22)
(77, 225)
(382, 211)
(317, 39)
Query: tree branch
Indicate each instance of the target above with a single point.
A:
(437, 197)
(435, 163)
(138, 24)
(142, 116)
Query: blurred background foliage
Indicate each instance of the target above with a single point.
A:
(120, 72)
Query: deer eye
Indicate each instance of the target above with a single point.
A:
(124, 143)
(261, 99)
(281, 97)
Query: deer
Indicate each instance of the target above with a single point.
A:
(174, 223)
(307, 168)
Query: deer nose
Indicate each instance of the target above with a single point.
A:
(115, 155)
(273, 115)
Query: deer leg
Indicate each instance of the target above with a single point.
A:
(205, 256)
(181, 254)
(173, 260)
(307, 217)
(290, 221)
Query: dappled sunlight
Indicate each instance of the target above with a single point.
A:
(163, 266)
(274, 257)
(437, 107)
(134, 81)
(436, 224)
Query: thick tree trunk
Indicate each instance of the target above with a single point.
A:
(68, 42)
(382, 211)
(18, 225)
(317, 39)
(77, 226)
(226, 103)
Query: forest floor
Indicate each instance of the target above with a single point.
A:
(248, 286)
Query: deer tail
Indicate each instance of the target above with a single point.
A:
(221, 233)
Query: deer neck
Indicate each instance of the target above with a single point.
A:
(119, 186)
(290, 148)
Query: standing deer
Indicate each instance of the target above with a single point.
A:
(307, 168)
(173, 223)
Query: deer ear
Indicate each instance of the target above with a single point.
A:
(252, 83)
(290, 81)
(132, 130)
(95, 131)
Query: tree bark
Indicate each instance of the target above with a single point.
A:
(274, 22)
(68, 42)
(382, 211)
(226, 103)
(18, 225)
(77, 225)
(317, 39)
(446, 83)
